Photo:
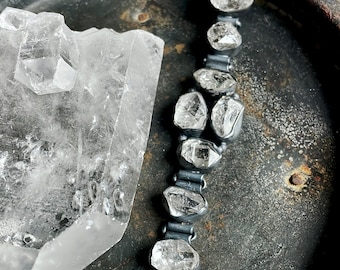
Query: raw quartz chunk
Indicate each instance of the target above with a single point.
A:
(71, 157)
(48, 56)
(15, 19)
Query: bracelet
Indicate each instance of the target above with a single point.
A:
(213, 103)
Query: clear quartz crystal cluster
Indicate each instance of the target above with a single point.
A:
(71, 148)
(198, 153)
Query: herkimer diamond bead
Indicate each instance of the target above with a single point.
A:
(231, 5)
(191, 112)
(171, 254)
(198, 154)
(224, 36)
(215, 82)
(184, 205)
(227, 117)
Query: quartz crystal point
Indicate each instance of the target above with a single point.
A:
(15, 19)
(71, 152)
(198, 154)
(48, 56)
(227, 117)
(173, 254)
(184, 205)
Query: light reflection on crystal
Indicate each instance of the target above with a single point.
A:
(15, 19)
(226, 117)
(173, 254)
(48, 55)
(72, 156)
(198, 153)
(224, 36)
(182, 204)
(191, 111)
(215, 82)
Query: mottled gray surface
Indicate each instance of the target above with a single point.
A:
(257, 218)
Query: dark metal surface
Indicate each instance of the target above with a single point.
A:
(272, 200)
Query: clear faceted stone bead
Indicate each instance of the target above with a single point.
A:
(183, 204)
(171, 254)
(231, 5)
(215, 82)
(226, 117)
(224, 36)
(191, 111)
(195, 153)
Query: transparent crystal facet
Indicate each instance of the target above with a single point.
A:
(183, 204)
(215, 82)
(231, 5)
(70, 160)
(191, 111)
(14, 19)
(173, 254)
(226, 117)
(224, 36)
(48, 56)
(199, 153)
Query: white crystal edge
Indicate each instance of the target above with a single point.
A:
(81, 243)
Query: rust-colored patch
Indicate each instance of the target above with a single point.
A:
(155, 138)
(211, 237)
(147, 156)
(250, 105)
(152, 234)
(221, 225)
(208, 226)
(125, 15)
(179, 47)
(142, 17)
(136, 218)
(287, 163)
(167, 49)
(143, 12)
(246, 97)
(298, 178)
(317, 178)
(306, 170)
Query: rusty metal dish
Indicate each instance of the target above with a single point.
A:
(272, 200)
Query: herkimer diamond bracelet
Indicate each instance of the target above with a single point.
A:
(213, 103)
